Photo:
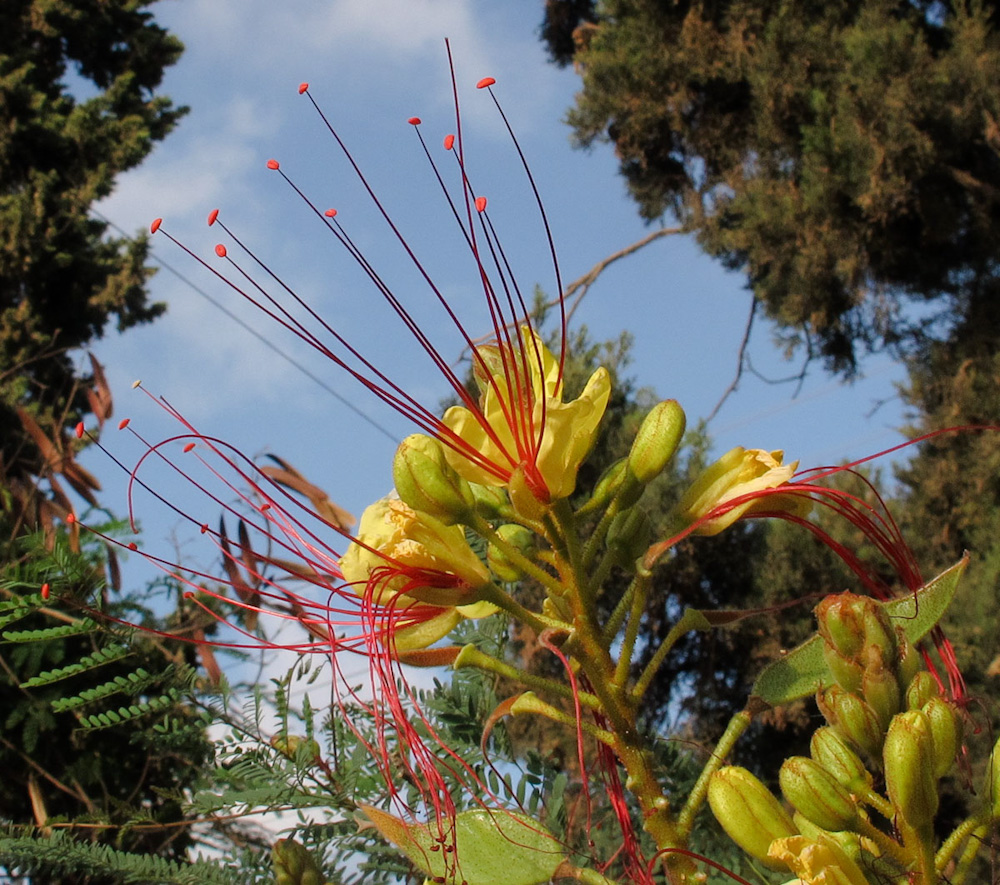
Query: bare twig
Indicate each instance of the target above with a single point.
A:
(741, 360)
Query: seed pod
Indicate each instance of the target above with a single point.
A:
(831, 752)
(946, 727)
(657, 440)
(910, 780)
(748, 812)
(426, 482)
(816, 794)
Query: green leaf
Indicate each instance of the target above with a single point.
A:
(490, 848)
(801, 672)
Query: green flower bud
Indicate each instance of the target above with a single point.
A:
(656, 441)
(293, 864)
(923, 686)
(748, 812)
(910, 660)
(847, 672)
(854, 720)
(815, 794)
(517, 536)
(629, 536)
(880, 635)
(881, 690)
(831, 752)
(946, 727)
(991, 782)
(840, 623)
(426, 482)
(293, 744)
(490, 501)
(908, 757)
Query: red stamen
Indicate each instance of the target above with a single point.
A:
(123, 423)
(485, 83)
(303, 87)
(78, 430)
(330, 213)
(45, 591)
(220, 250)
(449, 142)
(188, 447)
(480, 204)
(273, 165)
(214, 214)
(132, 546)
(414, 121)
(155, 226)
(70, 518)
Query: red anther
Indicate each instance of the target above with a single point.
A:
(212, 216)
(155, 226)
(330, 213)
(303, 87)
(220, 250)
(414, 121)
(273, 164)
(485, 83)
(264, 507)
(78, 430)
(132, 545)
(70, 518)
(123, 423)
(45, 591)
(189, 594)
(204, 527)
(188, 446)
(449, 142)
(480, 204)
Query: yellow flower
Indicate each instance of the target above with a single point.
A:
(739, 473)
(522, 421)
(820, 862)
(402, 558)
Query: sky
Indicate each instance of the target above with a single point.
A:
(371, 65)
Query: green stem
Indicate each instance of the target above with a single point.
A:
(482, 528)
(882, 805)
(957, 837)
(471, 656)
(976, 838)
(529, 702)
(692, 619)
(887, 844)
(640, 583)
(506, 602)
(696, 798)
(596, 539)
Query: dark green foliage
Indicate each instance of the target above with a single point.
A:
(844, 153)
(78, 106)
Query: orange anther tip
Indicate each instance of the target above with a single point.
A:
(188, 446)
(303, 87)
(273, 164)
(155, 226)
(480, 204)
(449, 142)
(485, 82)
(136, 383)
(204, 527)
(78, 430)
(123, 423)
(45, 591)
(70, 518)
(414, 121)
(220, 250)
(330, 213)
(132, 545)
(212, 216)
(189, 594)
(264, 507)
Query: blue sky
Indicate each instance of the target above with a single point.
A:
(371, 65)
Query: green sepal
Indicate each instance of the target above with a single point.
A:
(491, 846)
(803, 670)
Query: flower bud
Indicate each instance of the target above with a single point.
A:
(853, 719)
(908, 758)
(847, 672)
(629, 536)
(910, 661)
(923, 686)
(490, 501)
(832, 753)
(991, 782)
(748, 812)
(946, 727)
(880, 635)
(840, 623)
(427, 483)
(293, 864)
(819, 860)
(815, 794)
(293, 744)
(658, 437)
(881, 690)
(520, 538)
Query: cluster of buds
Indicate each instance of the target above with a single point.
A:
(887, 726)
